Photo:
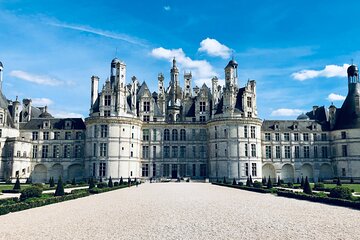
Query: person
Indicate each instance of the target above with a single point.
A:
(137, 183)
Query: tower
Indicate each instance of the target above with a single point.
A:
(214, 93)
(16, 112)
(230, 86)
(231, 74)
(1, 75)
(353, 75)
(26, 110)
(187, 80)
(117, 82)
(161, 92)
(94, 89)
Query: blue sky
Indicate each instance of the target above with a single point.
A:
(297, 51)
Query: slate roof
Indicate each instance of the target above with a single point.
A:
(239, 100)
(191, 112)
(55, 123)
(288, 125)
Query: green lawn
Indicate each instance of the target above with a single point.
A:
(356, 187)
(10, 186)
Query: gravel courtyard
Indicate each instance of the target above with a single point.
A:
(182, 211)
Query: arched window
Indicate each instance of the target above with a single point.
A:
(166, 135)
(182, 135)
(174, 135)
(225, 133)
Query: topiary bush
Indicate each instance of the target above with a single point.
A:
(302, 182)
(121, 181)
(341, 192)
(307, 187)
(224, 182)
(51, 182)
(39, 185)
(110, 184)
(241, 183)
(116, 184)
(269, 184)
(263, 181)
(251, 181)
(234, 182)
(279, 181)
(257, 184)
(290, 184)
(319, 186)
(30, 192)
(59, 188)
(91, 183)
(338, 182)
(102, 185)
(17, 184)
(73, 182)
(248, 182)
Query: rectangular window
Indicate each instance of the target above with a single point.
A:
(249, 114)
(297, 151)
(45, 151)
(286, 137)
(154, 170)
(315, 152)
(194, 170)
(67, 151)
(246, 169)
(245, 132)
(268, 151)
(103, 131)
(202, 119)
(94, 150)
(95, 131)
(107, 113)
(56, 135)
(103, 149)
(203, 152)
(46, 135)
(145, 152)
(146, 106)
(145, 170)
(175, 151)
(202, 134)
(246, 150)
(306, 137)
(249, 105)
(343, 135)
(146, 135)
(154, 135)
(324, 151)
(252, 132)
(343, 172)
(253, 169)
(68, 135)
(102, 169)
(202, 170)
(107, 100)
(77, 151)
(0, 132)
(253, 150)
(94, 170)
(146, 118)
(35, 135)
(166, 170)
(287, 151)
(78, 135)
(154, 151)
(315, 137)
(323, 137)
(267, 137)
(56, 151)
(277, 152)
(296, 137)
(277, 137)
(166, 151)
(306, 152)
(344, 150)
(202, 107)
(194, 151)
(182, 151)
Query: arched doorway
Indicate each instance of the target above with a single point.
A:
(325, 171)
(39, 174)
(75, 171)
(307, 171)
(287, 173)
(56, 171)
(269, 170)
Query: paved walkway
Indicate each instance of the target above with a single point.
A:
(182, 211)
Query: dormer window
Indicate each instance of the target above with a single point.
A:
(146, 106)
(46, 124)
(1, 118)
(67, 124)
(107, 100)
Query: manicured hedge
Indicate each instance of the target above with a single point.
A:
(253, 189)
(315, 198)
(11, 191)
(97, 190)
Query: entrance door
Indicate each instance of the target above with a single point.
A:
(174, 171)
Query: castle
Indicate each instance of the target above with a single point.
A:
(179, 132)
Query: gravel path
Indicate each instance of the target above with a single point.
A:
(182, 211)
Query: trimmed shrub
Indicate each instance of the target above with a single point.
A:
(17, 184)
(30, 192)
(240, 184)
(51, 182)
(73, 182)
(319, 186)
(248, 182)
(302, 182)
(298, 181)
(116, 184)
(129, 181)
(102, 185)
(307, 187)
(234, 182)
(59, 188)
(39, 185)
(351, 180)
(110, 184)
(257, 184)
(263, 181)
(341, 192)
(251, 181)
(338, 182)
(100, 179)
(121, 181)
(91, 183)
(290, 184)
(279, 181)
(269, 184)
(224, 182)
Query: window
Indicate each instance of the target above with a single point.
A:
(194, 151)
(249, 102)
(107, 100)
(315, 137)
(103, 131)
(77, 151)
(306, 152)
(0, 132)
(315, 152)
(249, 114)
(193, 134)
(67, 151)
(34, 151)
(46, 135)
(246, 169)
(182, 151)
(174, 135)
(166, 169)
(18, 154)
(45, 151)
(344, 150)
(297, 152)
(245, 132)
(182, 135)
(166, 151)
(154, 151)
(94, 150)
(203, 152)
(68, 135)
(56, 151)
(106, 113)
(146, 106)
(323, 137)
(145, 170)
(154, 135)
(277, 152)
(131, 154)
(202, 170)
(202, 134)
(343, 172)
(202, 119)
(306, 137)
(268, 151)
(94, 169)
(102, 169)
(343, 135)
(246, 150)
(103, 149)
(95, 131)
(225, 133)
(287, 152)
(277, 137)
(146, 135)
(202, 107)
(253, 169)
(286, 137)
(296, 137)
(154, 170)
(252, 131)
(324, 151)
(145, 152)
(146, 118)
(35, 135)
(78, 135)
(194, 170)
(253, 150)
(175, 151)
(166, 135)
(267, 137)
(216, 134)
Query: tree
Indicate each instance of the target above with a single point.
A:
(248, 182)
(279, 181)
(17, 184)
(351, 180)
(307, 187)
(51, 182)
(302, 182)
(59, 188)
(269, 183)
(73, 182)
(338, 183)
(234, 182)
(129, 181)
(121, 181)
(298, 181)
(91, 183)
(100, 179)
(251, 181)
(110, 184)
(225, 180)
(263, 181)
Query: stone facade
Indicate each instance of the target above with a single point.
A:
(197, 132)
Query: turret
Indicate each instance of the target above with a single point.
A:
(16, 112)
(187, 80)
(332, 115)
(1, 75)
(231, 74)
(353, 76)
(94, 89)
(26, 110)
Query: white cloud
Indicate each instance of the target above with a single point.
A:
(335, 97)
(41, 101)
(286, 112)
(213, 48)
(38, 79)
(328, 72)
(64, 114)
(108, 34)
(167, 8)
(201, 69)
